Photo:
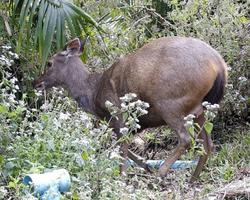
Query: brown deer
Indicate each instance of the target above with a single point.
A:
(173, 74)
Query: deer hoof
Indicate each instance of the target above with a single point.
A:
(163, 171)
(148, 169)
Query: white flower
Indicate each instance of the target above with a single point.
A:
(205, 103)
(114, 155)
(144, 112)
(46, 106)
(108, 104)
(242, 79)
(128, 97)
(123, 105)
(6, 47)
(79, 160)
(16, 87)
(63, 116)
(38, 93)
(124, 130)
(16, 56)
(137, 126)
(86, 120)
(189, 117)
(57, 124)
(188, 124)
(215, 106)
(12, 98)
(146, 105)
(132, 105)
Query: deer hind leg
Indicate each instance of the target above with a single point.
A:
(208, 147)
(126, 153)
(184, 141)
(139, 161)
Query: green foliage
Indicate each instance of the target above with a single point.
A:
(223, 25)
(125, 29)
(58, 135)
(42, 21)
(34, 138)
(194, 129)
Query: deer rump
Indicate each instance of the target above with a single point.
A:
(173, 74)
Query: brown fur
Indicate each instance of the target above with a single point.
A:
(173, 74)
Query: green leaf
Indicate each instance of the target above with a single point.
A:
(12, 114)
(16, 2)
(77, 25)
(47, 18)
(50, 30)
(69, 17)
(208, 126)
(39, 31)
(75, 196)
(32, 12)
(50, 19)
(44, 117)
(85, 155)
(4, 109)
(24, 11)
(12, 184)
(22, 22)
(191, 131)
(83, 14)
(59, 33)
(1, 159)
(244, 19)
(63, 38)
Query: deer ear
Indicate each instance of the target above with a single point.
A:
(74, 47)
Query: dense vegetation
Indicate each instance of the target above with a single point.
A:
(41, 131)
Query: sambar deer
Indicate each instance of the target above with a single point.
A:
(173, 74)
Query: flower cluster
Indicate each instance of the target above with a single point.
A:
(211, 110)
(189, 121)
(130, 110)
(7, 57)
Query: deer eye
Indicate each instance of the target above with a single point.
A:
(49, 64)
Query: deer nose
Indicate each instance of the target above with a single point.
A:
(38, 84)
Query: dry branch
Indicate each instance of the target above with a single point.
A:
(6, 23)
(234, 189)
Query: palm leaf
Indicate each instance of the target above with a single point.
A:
(50, 30)
(49, 19)
(58, 29)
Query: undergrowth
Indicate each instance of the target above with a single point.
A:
(60, 135)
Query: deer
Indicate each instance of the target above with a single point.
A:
(173, 74)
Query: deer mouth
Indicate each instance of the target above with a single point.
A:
(39, 85)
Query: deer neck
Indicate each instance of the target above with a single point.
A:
(83, 87)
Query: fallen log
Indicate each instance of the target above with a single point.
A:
(238, 188)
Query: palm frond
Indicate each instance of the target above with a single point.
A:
(48, 20)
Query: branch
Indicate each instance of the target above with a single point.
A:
(6, 23)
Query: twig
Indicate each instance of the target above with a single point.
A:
(6, 23)
(162, 19)
(143, 175)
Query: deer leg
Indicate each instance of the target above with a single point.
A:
(126, 153)
(117, 124)
(184, 142)
(139, 161)
(208, 147)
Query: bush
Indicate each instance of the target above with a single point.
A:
(34, 138)
(223, 25)
(58, 135)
